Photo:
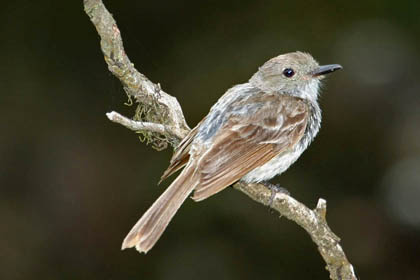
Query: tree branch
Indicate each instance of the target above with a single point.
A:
(313, 221)
(160, 106)
(168, 120)
(136, 125)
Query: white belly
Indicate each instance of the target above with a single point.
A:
(274, 167)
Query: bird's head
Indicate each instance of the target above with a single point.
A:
(297, 74)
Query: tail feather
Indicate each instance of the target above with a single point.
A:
(149, 228)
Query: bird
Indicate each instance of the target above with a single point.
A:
(254, 132)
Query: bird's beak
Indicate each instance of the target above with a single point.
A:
(326, 69)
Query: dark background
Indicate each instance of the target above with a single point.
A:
(73, 183)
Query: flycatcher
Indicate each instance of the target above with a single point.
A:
(254, 132)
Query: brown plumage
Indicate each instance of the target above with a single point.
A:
(240, 146)
(254, 132)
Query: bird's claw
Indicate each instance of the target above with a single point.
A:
(275, 189)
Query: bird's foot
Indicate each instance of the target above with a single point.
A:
(275, 189)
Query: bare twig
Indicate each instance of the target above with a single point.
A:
(313, 221)
(172, 123)
(136, 125)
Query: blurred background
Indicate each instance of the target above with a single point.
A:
(72, 183)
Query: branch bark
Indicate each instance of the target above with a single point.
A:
(165, 117)
(137, 125)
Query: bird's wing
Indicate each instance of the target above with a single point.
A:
(247, 141)
(181, 155)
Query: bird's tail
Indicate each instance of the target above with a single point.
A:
(152, 224)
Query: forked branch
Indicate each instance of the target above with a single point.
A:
(160, 114)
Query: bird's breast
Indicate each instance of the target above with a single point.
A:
(283, 161)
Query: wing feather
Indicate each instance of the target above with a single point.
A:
(246, 142)
(181, 155)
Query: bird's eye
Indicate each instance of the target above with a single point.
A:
(288, 72)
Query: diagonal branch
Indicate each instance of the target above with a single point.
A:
(169, 121)
(168, 110)
(313, 221)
